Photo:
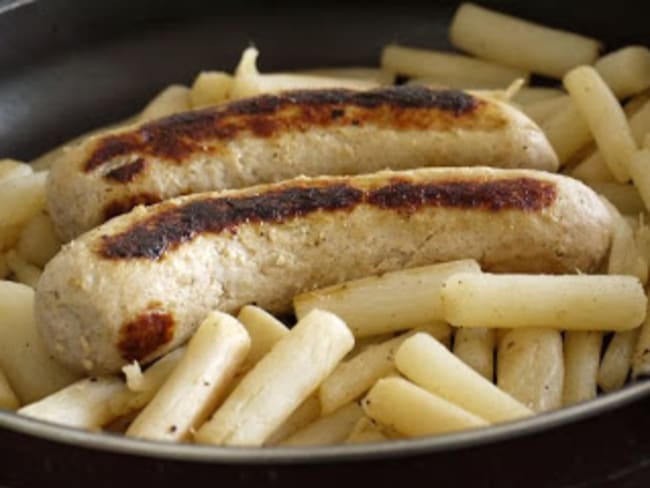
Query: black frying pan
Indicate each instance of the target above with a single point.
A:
(68, 66)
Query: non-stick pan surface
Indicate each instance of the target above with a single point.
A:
(68, 66)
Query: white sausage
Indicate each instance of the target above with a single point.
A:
(138, 285)
(276, 137)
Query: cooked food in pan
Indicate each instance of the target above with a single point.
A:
(334, 256)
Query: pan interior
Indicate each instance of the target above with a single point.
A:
(72, 66)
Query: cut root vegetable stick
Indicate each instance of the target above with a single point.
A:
(598, 106)
(21, 198)
(413, 411)
(640, 123)
(92, 403)
(376, 75)
(363, 343)
(592, 169)
(210, 88)
(626, 71)
(364, 431)
(278, 82)
(38, 241)
(642, 238)
(447, 69)
(197, 384)
(532, 94)
(32, 372)
(624, 255)
(248, 81)
(264, 330)
(581, 359)
(567, 131)
(283, 379)
(615, 365)
(641, 356)
(171, 100)
(393, 301)
(429, 364)
(624, 197)
(84, 404)
(23, 271)
(640, 172)
(530, 367)
(475, 347)
(328, 430)
(8, 399)
(516, 42)
(543, 109)
(11, 168)
(354, 377)
(575, 302)
(305, 414)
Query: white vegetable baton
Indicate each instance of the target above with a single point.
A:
(276, 385)
(447, 69)
(475, 347)
(91, 403)
(387, 303)
(354, 377)
(85, 404)
(626, 71)
(577, 302)
(581, 357)
(21, 198)
(8, 398)
(617, 360)
(329, 429)
(31, 371)
(530, 367)
(519, 43)
(414, 411)
(198, 383)
(428, 363)
(264, 330)
(604, 116)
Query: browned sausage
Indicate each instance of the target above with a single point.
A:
(138, 285)
(276, 137)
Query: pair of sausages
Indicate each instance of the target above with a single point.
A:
(138, 285)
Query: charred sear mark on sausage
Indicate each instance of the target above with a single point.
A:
(147, 332)
(168, 229)
(126, 172)
(152, 237)
(123, 205)
(520, 193)
(177, 136)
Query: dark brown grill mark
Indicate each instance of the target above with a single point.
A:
(521, 194)
(146, 333)
(127, 172)
(123, 205)
(402, 107)
(168, 229)
(152, 237)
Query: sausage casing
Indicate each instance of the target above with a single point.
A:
(277, 137)
(138, 285)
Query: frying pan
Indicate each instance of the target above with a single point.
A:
(69, 66)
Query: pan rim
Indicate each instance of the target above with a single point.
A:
(118, 444)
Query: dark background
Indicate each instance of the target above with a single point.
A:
(68, 66)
